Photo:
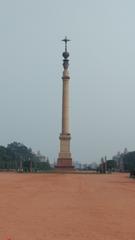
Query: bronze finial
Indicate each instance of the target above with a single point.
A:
(66, 40)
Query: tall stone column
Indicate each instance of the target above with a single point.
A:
(64, 160)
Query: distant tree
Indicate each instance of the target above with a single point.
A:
(20, 151)
(17, 156)
(129, 161)
(111, 165)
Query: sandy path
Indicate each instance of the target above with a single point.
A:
(67, 207)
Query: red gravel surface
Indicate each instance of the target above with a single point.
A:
(67, 207)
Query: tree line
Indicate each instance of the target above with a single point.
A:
(17, 156)
(122, 162)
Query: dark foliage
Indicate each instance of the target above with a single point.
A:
(129, 161)
(16, 156)
(111, 165)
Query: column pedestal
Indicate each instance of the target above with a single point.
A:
(64, 159)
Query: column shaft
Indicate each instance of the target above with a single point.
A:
(65, 107)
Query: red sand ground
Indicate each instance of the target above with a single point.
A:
(67, 207)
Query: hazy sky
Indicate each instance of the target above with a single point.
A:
(102, 70)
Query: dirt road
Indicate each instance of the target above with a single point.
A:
(67, 207)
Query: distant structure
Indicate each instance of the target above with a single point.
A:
(64, 160)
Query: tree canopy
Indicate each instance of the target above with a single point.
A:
(18, 156)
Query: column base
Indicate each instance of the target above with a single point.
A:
(64, 163)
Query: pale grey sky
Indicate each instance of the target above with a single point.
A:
(102, 86)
